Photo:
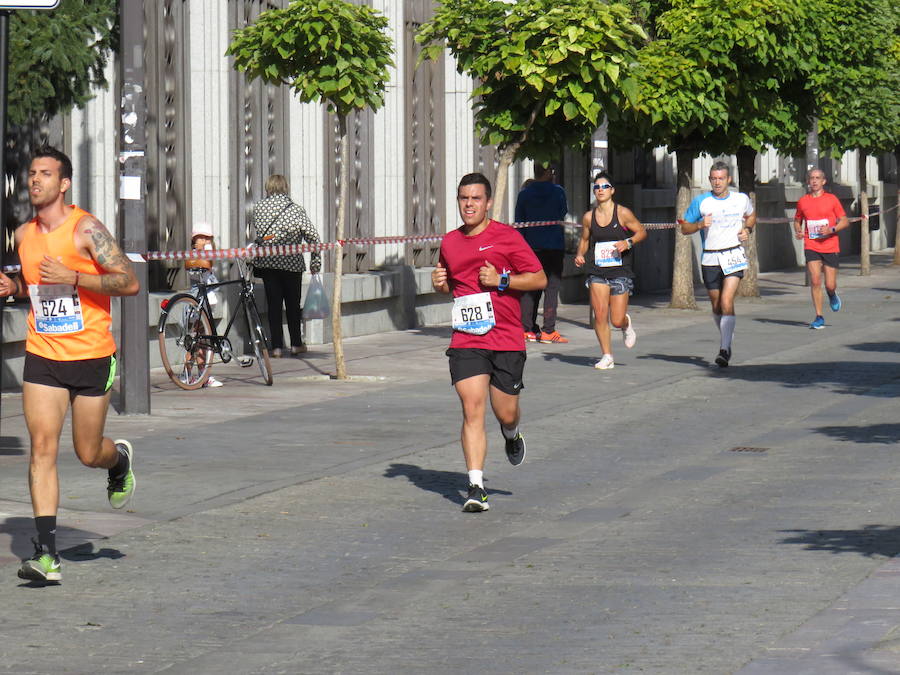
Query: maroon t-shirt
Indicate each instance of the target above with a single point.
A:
(506, 249)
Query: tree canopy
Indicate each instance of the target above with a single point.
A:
(56, 57)
(327, 51)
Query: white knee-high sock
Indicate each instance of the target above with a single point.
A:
(727, 328)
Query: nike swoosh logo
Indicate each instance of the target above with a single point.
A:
(483, 248)
(516, 386)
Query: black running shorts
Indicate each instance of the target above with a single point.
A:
(505, 368)
(830, 259)
(713, 277)
(88, 377)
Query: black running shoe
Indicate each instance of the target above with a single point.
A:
(515, 449)
(476, 500)
(723, 358)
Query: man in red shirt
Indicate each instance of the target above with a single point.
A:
(823, 217)
(487, 266)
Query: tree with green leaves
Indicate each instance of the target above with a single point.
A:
(856, 85)
(327, 51)
(57, 57)
(746, 62)
(546, 70)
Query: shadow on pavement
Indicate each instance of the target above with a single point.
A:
(11, 445)
(698, 361)
(573, 359)
(890, 347)
(861, 378)
(20, 530)
(871, 540)
(448, 484)
(84, 552)
(784, 322)
(873, 433)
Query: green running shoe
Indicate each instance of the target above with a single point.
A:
(42, 566)
(120, 489)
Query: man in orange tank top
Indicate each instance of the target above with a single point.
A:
(71, 266)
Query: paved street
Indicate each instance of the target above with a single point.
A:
(670, 517)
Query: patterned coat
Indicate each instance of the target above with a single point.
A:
(282, 222)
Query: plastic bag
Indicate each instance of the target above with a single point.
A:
(316, 305)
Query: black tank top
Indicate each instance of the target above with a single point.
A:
(612, 232)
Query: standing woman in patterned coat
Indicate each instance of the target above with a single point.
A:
(279, 221)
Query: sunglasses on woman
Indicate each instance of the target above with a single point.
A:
(601, 186)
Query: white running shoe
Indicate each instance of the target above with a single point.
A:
(213, 382)
(628, 333)
(606, 363)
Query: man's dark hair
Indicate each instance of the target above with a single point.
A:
(721, 166)
(65, 169)
(605, 176)
(476, 179)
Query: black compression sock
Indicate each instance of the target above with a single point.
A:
(46, 529)
(121, 467)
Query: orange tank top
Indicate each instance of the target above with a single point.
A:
(65, 323)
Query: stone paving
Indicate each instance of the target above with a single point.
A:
(670, 517)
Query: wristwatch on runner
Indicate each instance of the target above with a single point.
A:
(504, 282)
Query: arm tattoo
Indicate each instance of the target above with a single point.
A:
(110, 257)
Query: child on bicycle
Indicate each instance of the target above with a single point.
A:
(201, 270)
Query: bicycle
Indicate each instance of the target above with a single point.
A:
(187, 334)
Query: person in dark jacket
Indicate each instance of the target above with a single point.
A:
(542, 199)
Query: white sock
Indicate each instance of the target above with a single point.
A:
(476, 477)
(509, 434)
(727, 328)
(718, 319)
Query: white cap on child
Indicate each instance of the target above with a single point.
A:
(202, 229)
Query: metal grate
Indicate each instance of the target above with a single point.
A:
(747, 448)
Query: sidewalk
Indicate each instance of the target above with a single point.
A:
(670, 517)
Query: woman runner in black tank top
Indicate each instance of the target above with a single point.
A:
(608, 233)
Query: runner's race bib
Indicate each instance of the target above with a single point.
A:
(818, 229)
(473, 313)
(606, 254)
(57, 309)
(733, 260)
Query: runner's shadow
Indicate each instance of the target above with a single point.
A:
(573, 359)
(70, 540)
(84, 552)
(784, 322)
(445, 483)
(872, 433)
(889, 347)
(871, 540)
(11, 445)
(698, 361)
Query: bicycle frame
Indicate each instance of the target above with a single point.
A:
(219, 342)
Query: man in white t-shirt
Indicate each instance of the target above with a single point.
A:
(724, 219)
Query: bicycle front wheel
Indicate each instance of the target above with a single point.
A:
(184, 342)
(258, 340)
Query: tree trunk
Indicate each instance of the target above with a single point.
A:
(746, 159)
(897, 209)
(683, 264)
(865, 268)
(337, 335)
(506, 160)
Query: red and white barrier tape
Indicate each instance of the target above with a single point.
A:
(295, 249)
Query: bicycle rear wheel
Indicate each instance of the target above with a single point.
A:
(258, 340)
(184, 344)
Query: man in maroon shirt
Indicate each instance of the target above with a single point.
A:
(486, 265)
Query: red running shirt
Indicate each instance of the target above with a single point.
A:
(507, 250)
(823, 208)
